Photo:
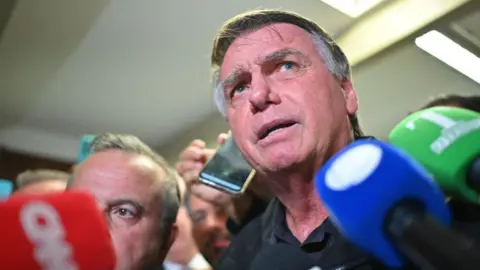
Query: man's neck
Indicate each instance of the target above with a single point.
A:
(304, 211)
(303, 208)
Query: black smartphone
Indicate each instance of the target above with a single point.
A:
(227, 170)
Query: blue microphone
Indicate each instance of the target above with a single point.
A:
(6, 188)
(84, 149)
(388, 204)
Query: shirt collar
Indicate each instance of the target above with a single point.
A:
(273, 219)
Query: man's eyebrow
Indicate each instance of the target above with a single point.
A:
(233, 77)
(276, 55)
(122, 201)
(280, 54)
(198, 211)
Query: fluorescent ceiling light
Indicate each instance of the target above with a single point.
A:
(449, 52)
(353, 8)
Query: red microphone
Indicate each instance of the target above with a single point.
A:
(62, 231)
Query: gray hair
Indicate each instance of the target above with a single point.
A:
(170, 190)
(35, 176)
(334, 58)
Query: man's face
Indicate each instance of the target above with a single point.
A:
(209, 228)
(126, 187)
(283, 105)
(43, 187)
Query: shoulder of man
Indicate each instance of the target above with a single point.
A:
(245, 245)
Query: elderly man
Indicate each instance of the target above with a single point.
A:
(285, 88)
(41, 181)
(138, 192)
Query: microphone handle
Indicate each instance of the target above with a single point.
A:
(427, 243)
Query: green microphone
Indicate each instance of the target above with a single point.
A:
(446, 140)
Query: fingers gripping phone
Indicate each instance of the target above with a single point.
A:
(227, 170)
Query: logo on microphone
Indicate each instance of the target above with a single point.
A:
(43, 227)
(353, 167)
(451, 130)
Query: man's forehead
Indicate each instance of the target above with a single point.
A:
(198, 203)
(255, 45)
(274, 33)
(112, 159)
(118, 166)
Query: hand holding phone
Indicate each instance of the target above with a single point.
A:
(227, 170)
(191, 162)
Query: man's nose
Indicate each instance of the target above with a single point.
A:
(216, 222)
(261, 95)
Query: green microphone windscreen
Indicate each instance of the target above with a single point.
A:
(446, 140)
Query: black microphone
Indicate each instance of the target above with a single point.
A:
(283, 257)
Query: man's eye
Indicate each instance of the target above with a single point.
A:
(198, 217)
(286, 66)
(123, 212)
(238, 89)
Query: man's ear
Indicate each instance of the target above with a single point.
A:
(173, 235)
(165, 248)
(350, 95)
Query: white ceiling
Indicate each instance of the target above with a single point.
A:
(73, 67)
(404, 79)
(396, 84)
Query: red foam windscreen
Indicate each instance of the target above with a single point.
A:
(62, 231)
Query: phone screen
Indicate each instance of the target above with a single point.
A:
(227, 170)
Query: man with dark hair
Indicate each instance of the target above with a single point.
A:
(138, 192)
(184, 253)
(209, 226)
(467, 102)
(41, 181)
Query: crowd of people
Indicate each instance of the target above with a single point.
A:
(286, 89)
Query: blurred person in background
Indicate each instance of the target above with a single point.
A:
(138, 192)
(184, 253)
(471, 102)
(209, 226)
(41, 181)
(240, 210)
(216, 215)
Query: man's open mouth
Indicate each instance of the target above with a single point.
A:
(273, 127)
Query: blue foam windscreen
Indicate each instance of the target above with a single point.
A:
(6, 188)
(363, 182)
(84, 149)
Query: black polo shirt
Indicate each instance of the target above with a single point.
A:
(327, 247)
(323, 244)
